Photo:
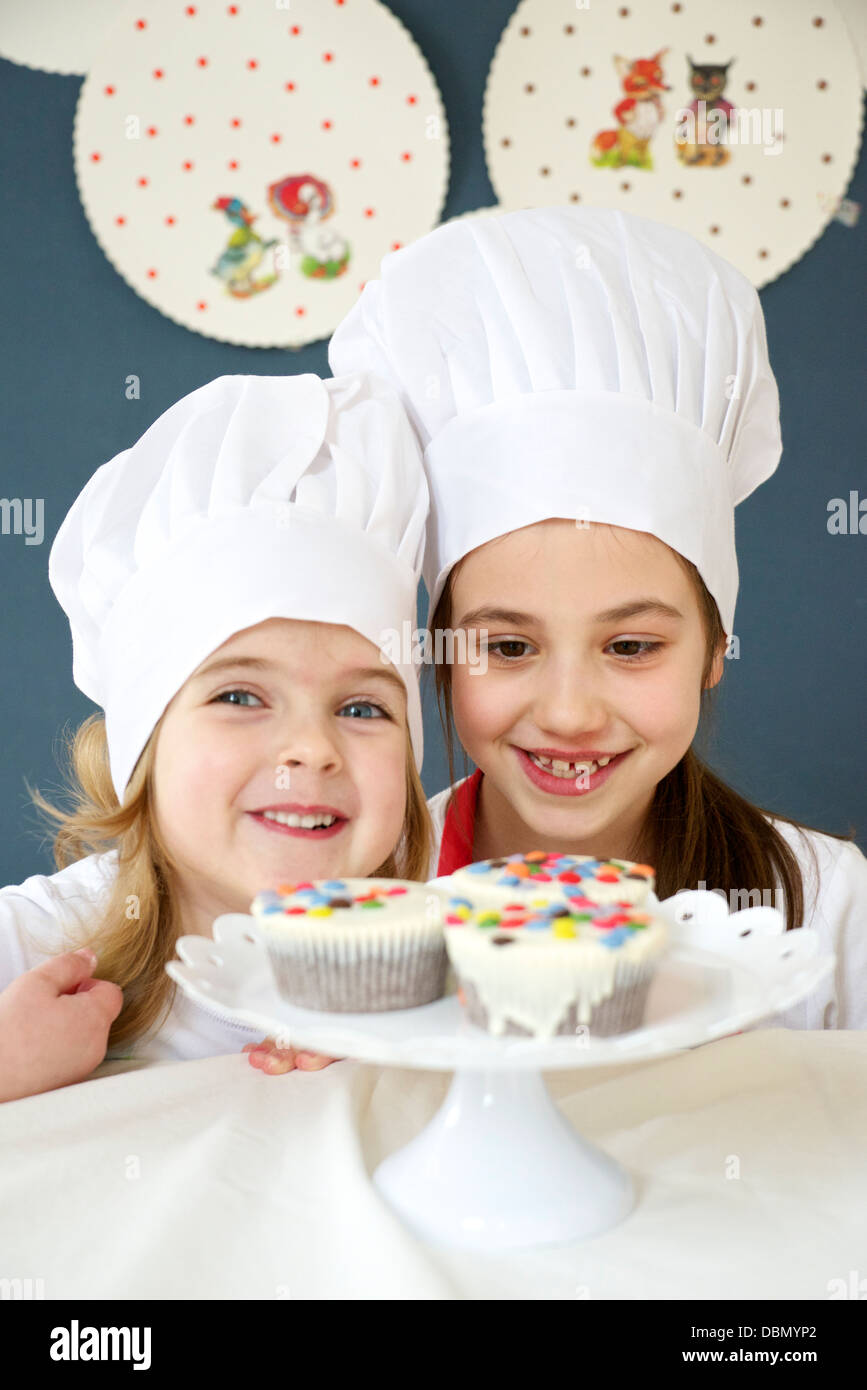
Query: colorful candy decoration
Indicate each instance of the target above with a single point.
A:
(554, 921)
(324, 898)
(564, 872)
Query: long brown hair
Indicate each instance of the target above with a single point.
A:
(700, 829)
(138, 923)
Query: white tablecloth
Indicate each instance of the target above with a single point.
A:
(211, 1180)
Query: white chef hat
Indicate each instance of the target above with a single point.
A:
(254, 497)
(574, 362)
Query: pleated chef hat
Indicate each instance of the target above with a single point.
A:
(254, 497)
(574, 362)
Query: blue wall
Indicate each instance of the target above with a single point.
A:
(787, 729)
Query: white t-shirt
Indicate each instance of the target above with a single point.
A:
(47, 915)
(835, 906)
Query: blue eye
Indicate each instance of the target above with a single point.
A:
(646, 648)
(241, 698)
(368, 710)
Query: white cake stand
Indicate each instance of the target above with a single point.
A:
(498, 1167)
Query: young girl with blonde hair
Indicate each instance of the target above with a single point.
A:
(593, 396)
(229, 581)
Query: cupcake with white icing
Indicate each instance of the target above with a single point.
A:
(558, 970)
(354, 945)
(537, 878)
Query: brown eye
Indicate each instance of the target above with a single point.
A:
(507, 648)
(636, 649)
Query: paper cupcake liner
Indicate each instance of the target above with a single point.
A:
(621, 1012)
(359, 977)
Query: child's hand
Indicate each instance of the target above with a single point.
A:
(268, 1057)
(54, 1025)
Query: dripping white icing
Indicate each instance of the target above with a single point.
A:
(535, 980)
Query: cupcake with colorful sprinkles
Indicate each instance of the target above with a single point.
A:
(542, 972)
(354, 945)
(538, 878)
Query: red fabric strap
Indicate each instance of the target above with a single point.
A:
(456, 846)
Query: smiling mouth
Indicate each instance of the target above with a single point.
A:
(315, 821)
(569, 770)
(303, 822)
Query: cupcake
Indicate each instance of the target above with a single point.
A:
(541, 973)
(537, 878)
(354, 945)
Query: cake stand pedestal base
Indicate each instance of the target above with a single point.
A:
(499, 1168)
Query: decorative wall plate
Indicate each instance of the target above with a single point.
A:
(245, 167)
(56, 35)
(855, 15)
(740, 123)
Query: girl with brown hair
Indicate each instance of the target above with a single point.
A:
(593, 396)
